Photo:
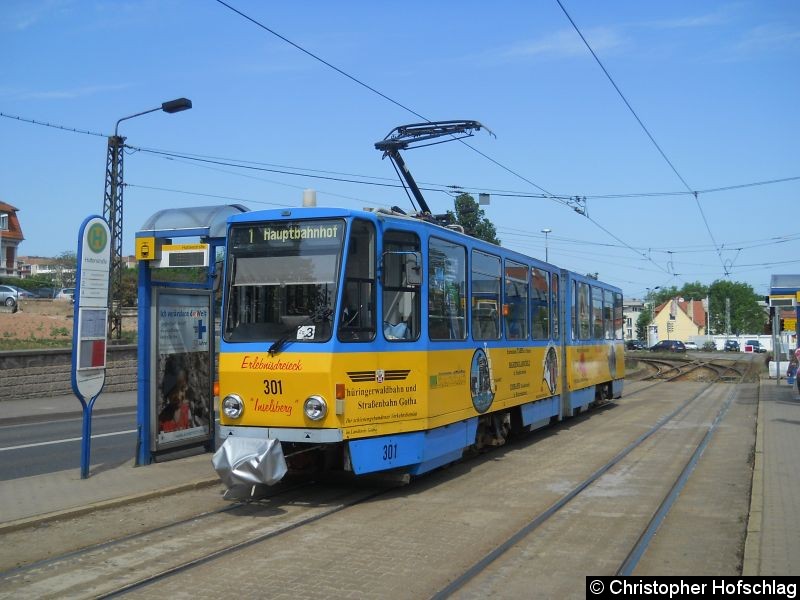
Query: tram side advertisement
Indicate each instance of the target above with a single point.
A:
(183, 373)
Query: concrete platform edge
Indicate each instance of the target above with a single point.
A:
(751, 562)
(78, 511)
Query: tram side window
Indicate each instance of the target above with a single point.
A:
(554, 304)
(608, 314)
(446, 290)
(485, 296)
(540, 311)
(581, 312)
(515, 309)
(618, 316)
(357, 320)
(597, 313)
(401, 298)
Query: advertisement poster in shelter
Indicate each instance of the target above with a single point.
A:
(183, 376)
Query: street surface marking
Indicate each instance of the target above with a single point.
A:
(77, 439)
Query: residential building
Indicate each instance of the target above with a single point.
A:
(631, 309)
(10, 238)
(679, 319)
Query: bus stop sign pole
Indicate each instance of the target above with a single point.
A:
(90, 323)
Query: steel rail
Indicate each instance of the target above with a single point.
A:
(481, 565)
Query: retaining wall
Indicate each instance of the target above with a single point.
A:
(44, 373)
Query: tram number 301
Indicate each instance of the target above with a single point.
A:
(273, 387)
(389, 451)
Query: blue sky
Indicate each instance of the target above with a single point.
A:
(716, 84)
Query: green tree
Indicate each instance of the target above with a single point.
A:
(642, 322)
(66, 265)
(746, 316)
(471, 217)
(694, 291)
(689, 291)
(663, 294)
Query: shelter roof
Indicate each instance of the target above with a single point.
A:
(191, 219)
(784, 284)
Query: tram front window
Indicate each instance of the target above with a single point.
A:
(282, 280)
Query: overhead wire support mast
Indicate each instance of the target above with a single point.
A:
(406, 137)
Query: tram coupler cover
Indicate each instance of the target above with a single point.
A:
(249, 461)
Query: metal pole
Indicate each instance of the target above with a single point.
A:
(86, 441)
(546, 231)
(112, 212)
(776, 344)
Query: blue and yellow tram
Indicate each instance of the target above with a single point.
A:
(379, 341)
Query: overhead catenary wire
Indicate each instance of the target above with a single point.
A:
(649, 135)
(430, 186)
(569, 202)
(52, 125)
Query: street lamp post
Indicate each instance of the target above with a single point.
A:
(112, 209)
(546, 231)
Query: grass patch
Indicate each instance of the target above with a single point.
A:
(34, 343)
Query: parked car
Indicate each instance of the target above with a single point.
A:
(731, 346)
(757, 347)
(668, 346)
(8, 295)
(635, 345)
(691, 346)
(66, 294)
(23, 293)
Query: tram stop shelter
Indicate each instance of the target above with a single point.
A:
(784, 298)
(176, 250)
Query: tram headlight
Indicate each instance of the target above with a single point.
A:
(315, 408)
(232, 406)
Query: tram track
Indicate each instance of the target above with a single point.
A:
(674, 369)
(275, 525)
(137, 560)
(492, 561)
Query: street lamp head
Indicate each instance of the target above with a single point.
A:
(172, 106)
(546, 230)
(176, 105)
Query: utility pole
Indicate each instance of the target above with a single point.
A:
(727, 317)
(112, 213)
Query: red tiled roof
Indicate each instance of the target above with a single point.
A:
(14, 230)
(691, 308)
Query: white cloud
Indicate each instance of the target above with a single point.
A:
(561, 44)
(27, 14)
(767, 38)
(708, 20)
(71, 94)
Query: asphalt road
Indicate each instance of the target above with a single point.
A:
(45, 447)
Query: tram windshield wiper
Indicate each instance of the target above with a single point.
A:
(319, 316)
